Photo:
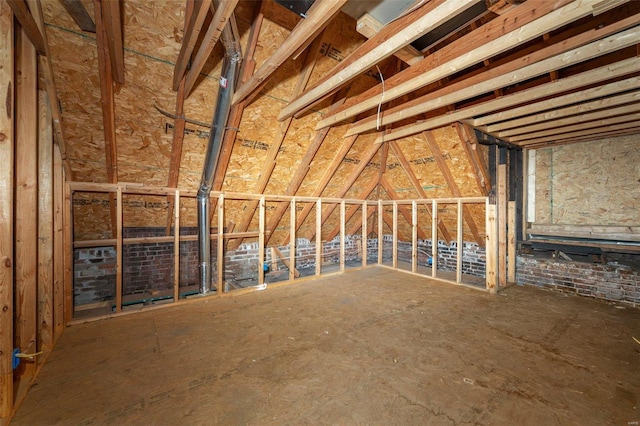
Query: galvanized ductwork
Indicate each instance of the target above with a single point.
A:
(230, 71)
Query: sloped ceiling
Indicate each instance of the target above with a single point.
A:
(329, 120)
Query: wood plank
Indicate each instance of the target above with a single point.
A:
(67, 218)
(394, 232)
(222, 15)
(112, 19)
(365, 236)
(261, 245)
(342, 235)
(528, 95)
(604, 126)
(492, 248)
(58, 244)
(414, 237)
(119, 269)
(511, 242)
(580, 48)
(369, 26)
(108, 108)
(26, 190)
(189, 40)
(385, 43)
(434, 239)
(497, 36)
(28, 24)
(176, 247)
(380, 230)
(502, 225)
(471, 151)
(318, 236)
(48, 77)
(76, 10)
(6, 210)
(404, 210)
(559, 113)
(220, 286)
(366, 192)
(459, 241)
(292, 239)
(45, 227)
(417, 186)
(318, 16)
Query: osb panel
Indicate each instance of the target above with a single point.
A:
(457, 160)
(91, 216)
(543, 192)
(422, 163)
(595, 183)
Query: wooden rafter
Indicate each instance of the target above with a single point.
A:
(390, 39)
(566, 84)
(198, 16)
(497, 36)
(580, 48)
(269, 163)
(178, 136)
(108, 108)
(417, 186)
(353, 209)
(76, 10)
(112, 20)
(318, 16)
(28, 24)
(357, 224)
(471, 150)
(451, 183)
(221, 16)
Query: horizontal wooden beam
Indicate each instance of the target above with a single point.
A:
(318, 16)
(369, 26)
(385, 43)
(28, 24)
(601, 126)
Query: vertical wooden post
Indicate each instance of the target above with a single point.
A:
(45, 227)
(220, 250)
(58, 242)
(459, 241)
(67, 218)
(261, 240)
(292, 239)
(380, 237)
(502, 225)
(490, 270)
(26, 210)
(434, 238)
(395, 235)
(511, 246)
(176, 246)
(318, 236)
(6, 211)
(119, 249)
(342, 234)
(364, 233)
(414, 237)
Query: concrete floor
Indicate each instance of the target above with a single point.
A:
(373, 346)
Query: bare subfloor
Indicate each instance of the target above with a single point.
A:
(374, 346)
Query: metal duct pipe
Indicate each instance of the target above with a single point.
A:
(228, 77)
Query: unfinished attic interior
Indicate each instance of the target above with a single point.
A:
(429, 212)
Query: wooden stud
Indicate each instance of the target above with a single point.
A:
(434, 238)
(292, 239)
(274, 262)
(502, 225)
(261, 245)
(112, 20)
(220, 251)
(380, 230)
(292, 269)
(511, 243)
(404, 210)
(45, 228)
(414, 237)
(459, 241)
(318, 236)
(119, 276)
(67, 218)
(491, 247)
(176, 246)
(342, 234)
(394, 231)
(353, 209)
(6, 211)
(58, 241)
(365, 235)
(26, 190)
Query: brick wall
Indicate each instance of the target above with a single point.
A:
(610, 282)
(473, 256)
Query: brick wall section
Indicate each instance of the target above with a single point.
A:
(94, 275)
(473, 256)
(610, 282)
